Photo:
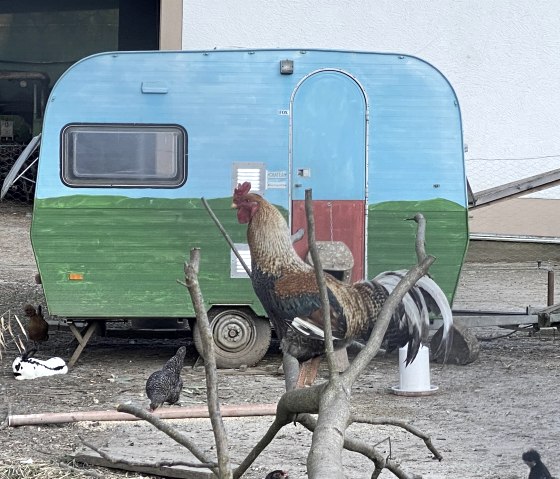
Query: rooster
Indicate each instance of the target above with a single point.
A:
(37, 328)
(165, 385)
(287, 288)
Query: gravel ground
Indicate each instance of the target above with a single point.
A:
(482, 417)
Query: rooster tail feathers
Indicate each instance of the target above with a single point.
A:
(438, 305)
(423, 299)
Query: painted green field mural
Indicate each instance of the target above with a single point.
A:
(392, 235)
(131, 252)
(113, 257)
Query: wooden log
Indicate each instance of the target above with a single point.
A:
(464, 347)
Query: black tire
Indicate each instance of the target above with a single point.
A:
(240, 337)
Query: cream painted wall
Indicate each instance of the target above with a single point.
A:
(502, 57)
(171, 25)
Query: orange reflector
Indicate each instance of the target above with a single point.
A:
(75, 276)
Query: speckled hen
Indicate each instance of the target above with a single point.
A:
(165, 385)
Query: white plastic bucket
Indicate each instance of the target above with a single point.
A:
(414, 378)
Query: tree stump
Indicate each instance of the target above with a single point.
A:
(464, 347)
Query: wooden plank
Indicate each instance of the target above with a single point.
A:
(82, 339)
(483, 320)
(515, 188)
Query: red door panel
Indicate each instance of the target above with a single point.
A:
(341, 220)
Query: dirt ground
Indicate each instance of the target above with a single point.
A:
(483, 416)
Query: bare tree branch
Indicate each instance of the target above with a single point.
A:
(225, 235)
(299, 234)
(319, 275)
(359, 446)
(403, 425)
(325, 455)
(220, 435)
(420, 236)
(364, 357)
(259, 447)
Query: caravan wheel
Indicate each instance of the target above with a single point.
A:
(240, 337)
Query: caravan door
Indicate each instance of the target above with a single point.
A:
(329, 139)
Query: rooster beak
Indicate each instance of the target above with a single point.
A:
(233, 205)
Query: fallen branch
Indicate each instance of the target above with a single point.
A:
(403, 425)
(162, 463)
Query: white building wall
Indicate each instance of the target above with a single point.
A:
(502, 57)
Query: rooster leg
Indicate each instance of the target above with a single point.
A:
(308, 372)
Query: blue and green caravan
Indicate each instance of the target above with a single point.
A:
(132, 141)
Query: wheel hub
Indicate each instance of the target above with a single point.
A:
(232, 332)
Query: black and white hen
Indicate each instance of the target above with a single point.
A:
(165, 385)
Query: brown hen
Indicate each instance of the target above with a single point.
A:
(37, 328)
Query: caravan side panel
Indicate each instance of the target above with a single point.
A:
(108, 250)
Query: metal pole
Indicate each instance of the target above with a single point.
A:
(550, 289)
(230, 410)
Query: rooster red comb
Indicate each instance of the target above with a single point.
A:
(242, 189)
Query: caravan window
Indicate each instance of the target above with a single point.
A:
(124, 155)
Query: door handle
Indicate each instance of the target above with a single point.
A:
(298, 185)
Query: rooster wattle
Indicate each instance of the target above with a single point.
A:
(287, 288)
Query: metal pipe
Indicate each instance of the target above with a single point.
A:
(241, 410)
(550, 289)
